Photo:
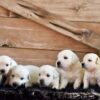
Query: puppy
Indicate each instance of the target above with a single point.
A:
(6, 64)
(70, 69)
(49, 76)
(22, 75)
(91, 64)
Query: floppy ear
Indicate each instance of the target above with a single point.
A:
(55, 75)
(13, 63)
(98, 61)
(75, 58)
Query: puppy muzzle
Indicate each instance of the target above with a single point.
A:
(83, 65)
(59, 64)
(2, 71)
(42, 82)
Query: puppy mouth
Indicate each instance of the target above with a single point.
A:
(18, 86)
(43, 85)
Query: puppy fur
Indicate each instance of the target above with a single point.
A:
(70, 69)
(6, 64)
(91, 64)
(49, 76)
(23, 75)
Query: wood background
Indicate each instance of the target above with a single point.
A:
(30, 43)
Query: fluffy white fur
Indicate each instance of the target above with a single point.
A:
(6, 64)
(70, 69)
(23, 75)
(91, 64)
(49, 76)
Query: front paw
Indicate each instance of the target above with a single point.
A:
(85, 87)
(76, 86)
(55, 87)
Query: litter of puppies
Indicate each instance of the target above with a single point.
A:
(68, 79)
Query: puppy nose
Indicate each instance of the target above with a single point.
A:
(83, 65)
(15, 84)
(58, 63)
(2, 71)
(42, 82)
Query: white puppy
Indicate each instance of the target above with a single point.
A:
(91, 64)
(23, 75)
(48, 76)
(71, 70)
(6, 64)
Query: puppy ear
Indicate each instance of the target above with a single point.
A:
(12, 62)
(75, 58)
(98, 61)
(56, 74)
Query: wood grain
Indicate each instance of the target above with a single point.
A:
(52, 21)
(3, 12)
(22, 33)
(33, 56)
(73, 10)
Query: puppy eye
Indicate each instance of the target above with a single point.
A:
(21, 78)
(13, 75)
(7, 65)
(89, 60)
(65, 57)
(48, 75)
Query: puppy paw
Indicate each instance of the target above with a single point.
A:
(76, 86)
(55, 87)
(85, 87)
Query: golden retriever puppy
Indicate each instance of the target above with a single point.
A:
(91, 64)
(70, 69)
(6, 64)
(23, 75)
(48, 76)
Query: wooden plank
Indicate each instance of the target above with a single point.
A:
(73, 10)
(52, 21)
(22, 33)
(3, 12)
(33, 56)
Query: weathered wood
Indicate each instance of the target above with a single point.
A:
(33, 56)
(73, 10)
(22, 33)
(41, 16)
(52, 21)
(3, 12)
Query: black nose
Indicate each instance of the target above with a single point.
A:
(2, 71)
(42, 82)
(83, 65)
(58, 63)
(15, 84)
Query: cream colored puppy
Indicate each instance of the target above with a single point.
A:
(91, 64)
(23, 75)
(6, 64)
(71, 70)
(48, 76)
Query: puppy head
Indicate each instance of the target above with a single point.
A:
(47, 75)
(6, 63)
(90, 61)
(66, 58)
(19, 76)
